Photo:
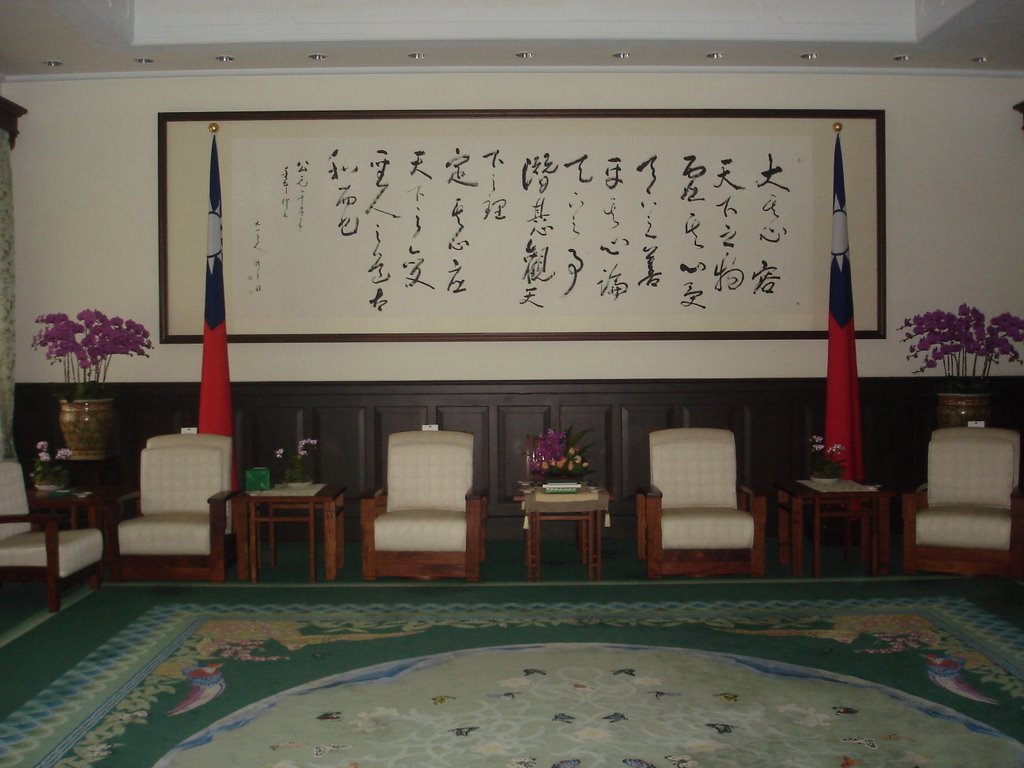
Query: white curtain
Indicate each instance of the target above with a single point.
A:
(6, 300)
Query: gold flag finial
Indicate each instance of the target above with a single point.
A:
(214, 127)
(837, 127)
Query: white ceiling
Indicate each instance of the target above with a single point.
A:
(105, 37)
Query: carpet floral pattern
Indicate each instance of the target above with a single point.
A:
(692, 684)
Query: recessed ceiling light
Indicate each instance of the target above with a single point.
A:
(524, 55)
(53, 63)
(901, 57)
(224, 59)
(621, 55)
(979, 60)
(809, 56)
(142, 60)
(716, 55)
(416, 55)
(316, 56)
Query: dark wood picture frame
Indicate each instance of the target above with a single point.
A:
(184, 148)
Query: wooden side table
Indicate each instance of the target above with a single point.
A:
(290, 505)
(72, 503)
(585, 508)
(849, 501)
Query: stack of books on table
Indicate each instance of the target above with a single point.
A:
(569, 486)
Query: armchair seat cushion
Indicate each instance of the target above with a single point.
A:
(77, 550)
(421, 530)
(706, 528)
(964, 526)
(166, 533)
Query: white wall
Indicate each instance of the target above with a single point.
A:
(85, 177)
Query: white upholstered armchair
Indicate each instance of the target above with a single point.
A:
(33, 548)
(969, 517)
(693, 519)
(177, 525)
(427, 522)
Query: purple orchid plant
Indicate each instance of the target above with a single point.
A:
(85, 345)
(963, 344)
(46, 470)
(295, 470)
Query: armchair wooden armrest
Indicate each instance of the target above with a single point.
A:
(645, 494)
(757, 505)
(371, 505)
(1017, 534)
(912, 502)
(219, 513)
(476, 519)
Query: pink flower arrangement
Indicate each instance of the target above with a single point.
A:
(559, 453)
(825, 459)
(85, 345)
(964, 345)
(46, 470)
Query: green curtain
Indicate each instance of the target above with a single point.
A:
(6, 300)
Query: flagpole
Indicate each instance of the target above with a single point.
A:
(842, 396)
(216, 415)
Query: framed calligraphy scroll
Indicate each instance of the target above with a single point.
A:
(520, 225)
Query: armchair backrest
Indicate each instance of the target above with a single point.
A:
(222, 442)
(12, 498)
(694, 467)
(429, 470)
(179, 473)
(973, 465)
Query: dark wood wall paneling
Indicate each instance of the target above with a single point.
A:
(772, 419)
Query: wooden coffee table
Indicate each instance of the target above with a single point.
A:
(585, 508)
(290, 505)
(849, 501)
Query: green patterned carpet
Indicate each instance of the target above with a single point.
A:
(844, 673)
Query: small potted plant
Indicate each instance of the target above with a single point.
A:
(296, 472)
(826, 461)
(48, 474)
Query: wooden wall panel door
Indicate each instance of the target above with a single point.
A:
(515, 422)
(270, 427)
(765, 447)
(342, 455)
(704, 412)
(597, 422)
(475, 420)
(638, 421)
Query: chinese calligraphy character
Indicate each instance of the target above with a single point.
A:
(578, 162)
(540, 168)
(458, 175)
(612, 284)
(765, 278)
(729, 277)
